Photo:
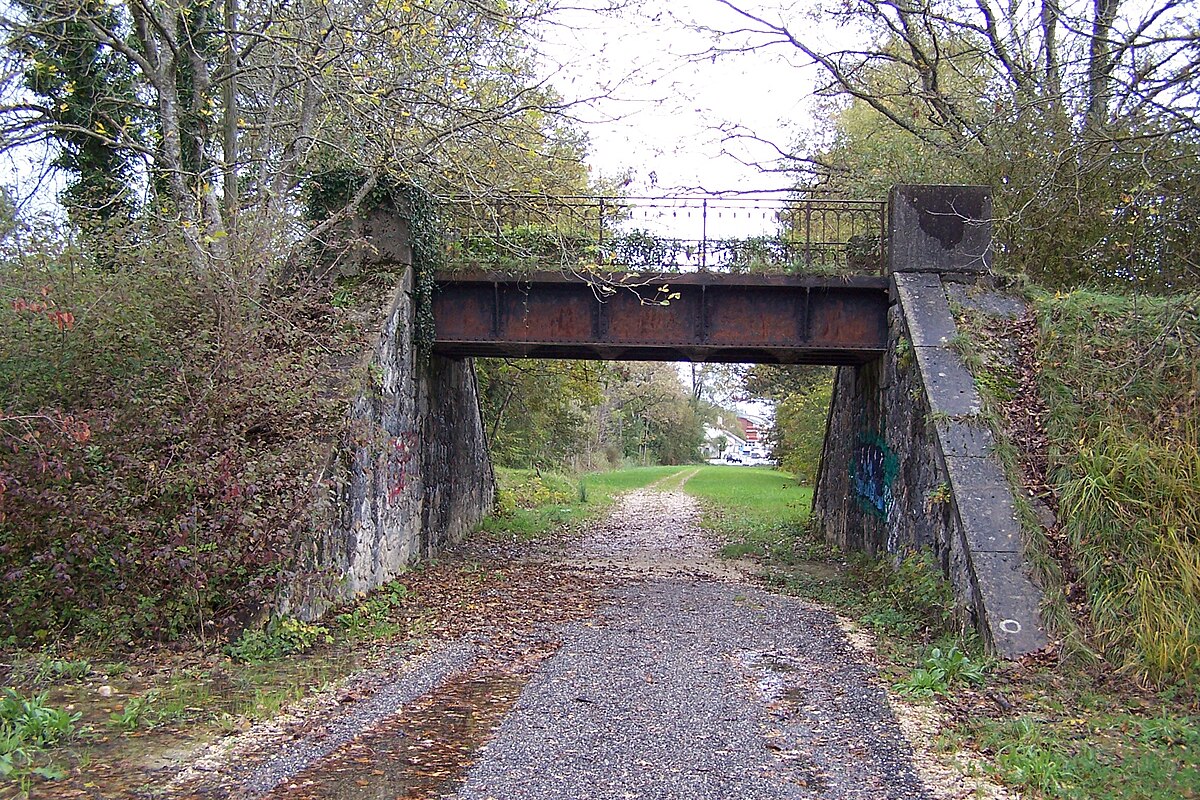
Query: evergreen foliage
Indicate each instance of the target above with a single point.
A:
(87, 95)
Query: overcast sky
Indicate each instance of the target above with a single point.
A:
(666, 109)
(665, 112)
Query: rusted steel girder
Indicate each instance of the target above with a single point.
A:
(690, 317)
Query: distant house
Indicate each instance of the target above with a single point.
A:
(751, 429)
(713, 436)
(754, 430)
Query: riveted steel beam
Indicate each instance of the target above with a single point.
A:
(692, 317)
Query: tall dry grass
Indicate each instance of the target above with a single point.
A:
(1122, 378)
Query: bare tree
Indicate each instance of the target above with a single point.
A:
(1083, 115)
(240, 104)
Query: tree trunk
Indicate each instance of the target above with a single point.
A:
(1100, 65)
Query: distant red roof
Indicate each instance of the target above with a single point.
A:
(750, 429)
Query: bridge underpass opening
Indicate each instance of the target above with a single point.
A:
(910, 399)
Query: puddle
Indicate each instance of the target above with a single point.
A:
(778, 679)
(170, 712)
(422, 753)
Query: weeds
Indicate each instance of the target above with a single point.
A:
(1122, 384)
(1118, 451)
(1097, 755)
(941, 670)
(376, 616)
(134, 714)
(283, 636)
(27, 727)
(58, 669)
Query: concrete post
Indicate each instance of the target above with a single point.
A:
(942, 229)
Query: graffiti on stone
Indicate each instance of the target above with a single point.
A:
(872, 471)
(401, 463)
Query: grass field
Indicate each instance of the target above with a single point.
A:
(532, 504)
(607, 484)
(758, 511)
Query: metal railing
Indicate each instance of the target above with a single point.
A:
(720, 233)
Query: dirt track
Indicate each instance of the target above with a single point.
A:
(659, 671)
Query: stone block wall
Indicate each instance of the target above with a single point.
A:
(908, 462)
(407, 475)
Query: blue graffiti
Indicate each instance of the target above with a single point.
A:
(872, 470)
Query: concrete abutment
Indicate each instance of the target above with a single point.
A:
(909, 461)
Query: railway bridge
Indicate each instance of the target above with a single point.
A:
(863, 286)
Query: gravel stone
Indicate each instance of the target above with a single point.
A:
(693, 688)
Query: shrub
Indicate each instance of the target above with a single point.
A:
(156, 444)
(533, 491)
(283, 636)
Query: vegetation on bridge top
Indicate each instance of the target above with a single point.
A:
(1122, 386)
(1097, 398)
(728, 232)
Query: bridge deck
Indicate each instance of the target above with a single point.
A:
(698, 316)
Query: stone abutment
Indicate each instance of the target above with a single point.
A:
(909, 461)
(408, 473)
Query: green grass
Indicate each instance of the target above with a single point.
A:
(1120, 377)
(758, 511)
(1120, 381)
(530, 504)
(608, 484)
(1074, 743)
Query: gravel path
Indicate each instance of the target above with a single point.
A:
(688, 683)
(694, 686)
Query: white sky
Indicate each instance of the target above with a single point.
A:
(662, 121)
(664, 113)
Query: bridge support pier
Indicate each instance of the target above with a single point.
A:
(408, 473)
(909, 459)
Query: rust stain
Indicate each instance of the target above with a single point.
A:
(694, 316)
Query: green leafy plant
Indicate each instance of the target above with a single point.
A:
(135, 713)
(375, 617)
(939, 671)
(283, 636)
(58, 669)
(940, 495)
(905, 355)
(32, 721)
(29, 725)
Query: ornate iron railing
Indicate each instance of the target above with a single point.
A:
(721, 233)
